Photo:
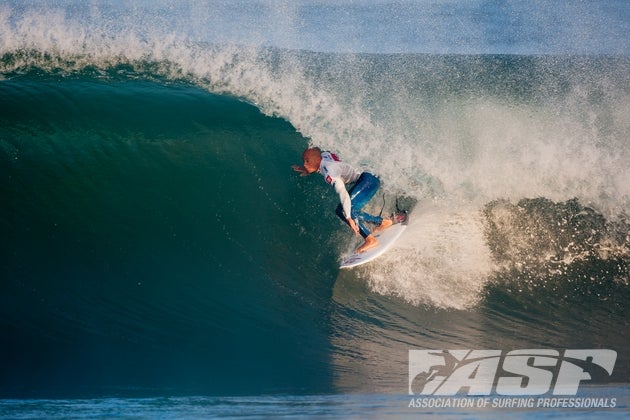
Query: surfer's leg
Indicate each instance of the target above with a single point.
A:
(360, 195)
(364, 231)
(366, 217)
(370, 242)
(385, 223)
(339, 212)
(363, 190)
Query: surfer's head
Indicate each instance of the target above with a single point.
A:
(312, 157)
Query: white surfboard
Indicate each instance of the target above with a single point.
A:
(385, 238)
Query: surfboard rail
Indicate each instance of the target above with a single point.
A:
(385, 239)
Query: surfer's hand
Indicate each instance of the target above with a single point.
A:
(302, 170)
(353, 226)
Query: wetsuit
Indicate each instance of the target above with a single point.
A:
(339, 174)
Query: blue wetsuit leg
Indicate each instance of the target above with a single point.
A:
(362, 192)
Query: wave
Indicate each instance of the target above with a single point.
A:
(151, 202)
(459, 131)
(143, 223)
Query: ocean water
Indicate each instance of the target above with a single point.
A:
(159, 258)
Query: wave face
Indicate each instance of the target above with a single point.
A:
(155, 240)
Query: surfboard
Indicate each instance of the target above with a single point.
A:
(385, 238)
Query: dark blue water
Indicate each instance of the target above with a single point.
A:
(158, 255)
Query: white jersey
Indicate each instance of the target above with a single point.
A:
(337, 174)
(331, 167)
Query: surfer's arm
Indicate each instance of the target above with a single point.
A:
(344, 197)
(301, 169)
(346, 203)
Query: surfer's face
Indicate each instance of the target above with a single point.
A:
(311, 159)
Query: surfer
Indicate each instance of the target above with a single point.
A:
(363, 186)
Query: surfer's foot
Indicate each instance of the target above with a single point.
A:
(384, 225)
(370, 242)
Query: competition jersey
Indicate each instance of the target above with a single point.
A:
(337, 174)
(331, 167)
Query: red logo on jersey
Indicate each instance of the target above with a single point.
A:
(329, 179)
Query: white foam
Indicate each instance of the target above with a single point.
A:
(441, 260)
